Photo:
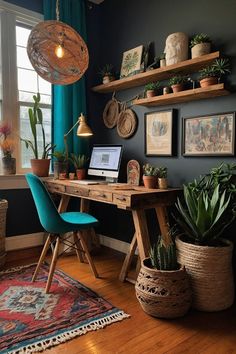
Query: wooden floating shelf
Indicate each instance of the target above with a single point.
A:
(184, 96)
(164, 73)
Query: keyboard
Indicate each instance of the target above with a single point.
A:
(89, 181)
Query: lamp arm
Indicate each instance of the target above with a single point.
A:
(65, 139)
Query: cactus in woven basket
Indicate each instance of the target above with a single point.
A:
(163, 257)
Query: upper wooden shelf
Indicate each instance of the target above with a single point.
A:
(184, 96)
(187, 67)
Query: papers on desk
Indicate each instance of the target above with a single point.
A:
(88, 181)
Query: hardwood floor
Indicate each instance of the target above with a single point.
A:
(196, 333)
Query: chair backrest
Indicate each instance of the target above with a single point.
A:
(47, 211)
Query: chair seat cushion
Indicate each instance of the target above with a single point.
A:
(80, 220)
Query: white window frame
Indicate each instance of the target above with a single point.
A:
(10, 16)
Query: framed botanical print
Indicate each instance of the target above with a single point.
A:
(131, 62)
(159, 133)
(210, 135)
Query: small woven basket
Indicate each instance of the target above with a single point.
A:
(163, 294)
(211, 274)
(3, 212)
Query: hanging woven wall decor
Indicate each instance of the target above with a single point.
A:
(57, 52)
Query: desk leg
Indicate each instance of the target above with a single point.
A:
(141, 230)
(63, 203)
(163, 220)
(91, 237)
(128, 259)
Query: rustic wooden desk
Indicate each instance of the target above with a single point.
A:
(128, 197)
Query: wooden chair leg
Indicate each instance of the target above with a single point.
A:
(42, 256)
(85, 248)
(79, 252)
(52, 265)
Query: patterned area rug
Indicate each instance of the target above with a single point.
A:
(31, 321)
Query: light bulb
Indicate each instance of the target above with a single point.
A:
(59, 51)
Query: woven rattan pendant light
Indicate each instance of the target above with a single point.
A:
(57, 52)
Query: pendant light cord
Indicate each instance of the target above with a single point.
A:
(57, 10)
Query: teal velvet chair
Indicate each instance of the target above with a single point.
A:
(56, 224)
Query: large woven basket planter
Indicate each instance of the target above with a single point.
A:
(211, 274)
(163, 294)
(3, 212)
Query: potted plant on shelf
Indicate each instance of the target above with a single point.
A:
(212, 74)
(162, 178)
(151, 89)
(7, 146)
(60, 165)
(177, 83)
(107, 73)
(39, 165)
(209, 207)
(79, 162)
(200, 45)
(150, 174)
(163, 287)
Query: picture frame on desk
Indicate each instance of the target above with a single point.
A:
(160, 129)
(209, 135)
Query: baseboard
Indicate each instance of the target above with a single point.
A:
(37, 239)
(24, 241)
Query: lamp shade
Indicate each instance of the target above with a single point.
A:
(83, 128)
(57, 52)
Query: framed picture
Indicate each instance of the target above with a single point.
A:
(211, 135)
(131, 62)
(159, 133)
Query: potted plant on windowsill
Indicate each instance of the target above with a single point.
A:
(150, 174)
(209, 207)
(200, 45)
(212, 74)
(151, 89)
(7, 146)
(107, 73)
(162, 178)
(39, 165)
(60, 165)
(177, 83)
(163, 287)
(79, 162)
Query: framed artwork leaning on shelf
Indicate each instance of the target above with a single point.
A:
(131, 62)
(159, 133)
(211, 135)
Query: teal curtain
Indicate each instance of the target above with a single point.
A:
(68, 101)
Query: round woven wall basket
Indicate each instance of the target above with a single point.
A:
(127, 123)
(3, 212)
(41, 48)
(111, 113)
(211, 274)
(163, 294)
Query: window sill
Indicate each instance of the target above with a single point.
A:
(13, 182)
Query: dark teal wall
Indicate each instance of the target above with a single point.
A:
(119, 25)
(33, 5)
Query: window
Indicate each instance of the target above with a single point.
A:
(20, 81)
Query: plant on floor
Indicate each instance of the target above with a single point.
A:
(163, 256)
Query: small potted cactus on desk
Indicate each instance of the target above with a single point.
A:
(150, 174)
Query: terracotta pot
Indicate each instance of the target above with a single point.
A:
(150, 181)
(163, 294)
(177, 87)
(9, 165)
(162, 183)
(150, 93)
(40, 167)
(107, 78)
(200, 49)
(208, 81)
(211, 274)
(81, 173)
